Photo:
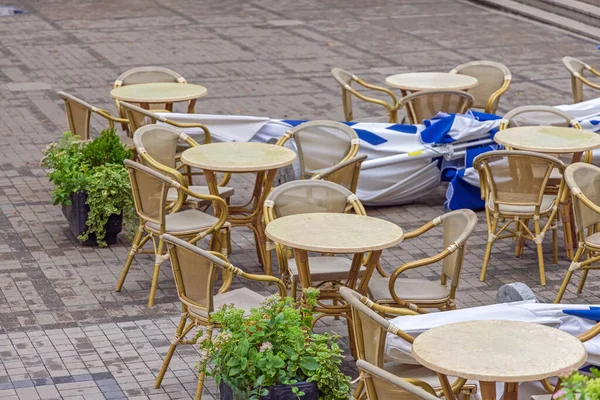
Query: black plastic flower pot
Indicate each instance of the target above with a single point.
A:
(278, 392)
(77, 214)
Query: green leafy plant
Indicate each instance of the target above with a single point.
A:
(273, 345)
(96, 168)
(576, 386)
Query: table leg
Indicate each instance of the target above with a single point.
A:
(211, 182)
(488, 390)
(511, 391)
(370, 266)
(301, 257)
(446, 387)
(191, 106)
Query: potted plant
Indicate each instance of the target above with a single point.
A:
(91, 184)
(271, 353)
(576, 386)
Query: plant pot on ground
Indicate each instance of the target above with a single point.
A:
(272, 353)
(91, 184)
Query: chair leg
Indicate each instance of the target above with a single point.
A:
(565, 283)
(170, 352)
(555, 244)
(158, 255)
(540, 251)
(565, 216)
(584, 275)
(380, 270)
(519, 238)
(137, 239)
(358, 392)
(202, 373)
(488, 249)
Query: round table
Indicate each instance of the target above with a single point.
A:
(418, 81)
(553, 140)
(498, 351)
(242, 157)
(548, 139)
(160, 93)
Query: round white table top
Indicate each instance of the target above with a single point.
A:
(498, 351)
(334, 233)
(162, 92)
(238, 157)
(416, 81)
(548, 139)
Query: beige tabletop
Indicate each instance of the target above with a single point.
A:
(334, 233)
(548, 139)
(238, 157)
(498, 351)
(416, 81)
(163, 92)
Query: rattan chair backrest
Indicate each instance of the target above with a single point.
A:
(195, 271)
(583, 180)
(137, 116)
(427, 103)
(149, 189)
(492, 77)
(344, 79)
(79, 114)
(308, 196)
(345, 173)
(510, 118)
(576, 68)
(457, 225)
(323, 144)
(159, 142)
(517, 178)
(383, 385)
(148, 75)
(369, 326)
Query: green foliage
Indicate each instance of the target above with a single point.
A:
(576, 386)
(95, 167)
(273, 345)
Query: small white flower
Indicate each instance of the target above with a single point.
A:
(265, 346)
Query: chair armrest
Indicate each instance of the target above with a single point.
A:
(111, 119)
(261, 278)
(495, 96)
(590, 333)
(420, 231)
(377, 88)
(184, 125)
(589, 83)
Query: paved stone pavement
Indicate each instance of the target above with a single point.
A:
(64, 332)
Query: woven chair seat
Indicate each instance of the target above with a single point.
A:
(125, 140)
(541, 397)
(185, 221)
(325, 268)
(224, 192)
(546, 207)
(243, 298)
(410, 290)
(593, 240)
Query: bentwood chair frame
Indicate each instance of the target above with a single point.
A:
(521, 202)
(583, 180)
(323, 141)
(311, 202)
(79, 115)
(164, 148)
(139, 117)
(197, 295)
(576, 68)
(345, 80)
(370, 332)
(425, 104)
(565, 201)
(457, 227)
(493, 81)
(153, 223)
(381, 385)
(346, 173)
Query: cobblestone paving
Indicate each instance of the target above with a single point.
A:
(64, 332)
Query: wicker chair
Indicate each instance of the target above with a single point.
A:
(195, 271)
(417, 294)
(139, 75)
(157, 216)
(79, 115)
(583, 180)
(518, 117)
(381, 385)
(513, 185)
(427, 103)
(371, 330)
(345, 173)
(322, 145)
(313, 196)
(156, 147)
(493, 81)
(345, 80)
(576, 68)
